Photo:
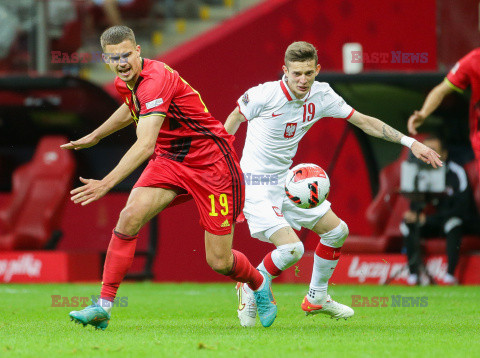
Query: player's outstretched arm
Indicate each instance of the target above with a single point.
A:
(433, 100)
(233, 121)
(147, 133)
(118, 120)
(376, 128)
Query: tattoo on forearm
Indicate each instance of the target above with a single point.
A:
(391, 134)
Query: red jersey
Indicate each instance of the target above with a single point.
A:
(466, 72)
(189, 132)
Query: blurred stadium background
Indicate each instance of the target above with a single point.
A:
(54, 87)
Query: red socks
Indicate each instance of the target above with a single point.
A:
(327, 252)
(243, 271)
(270, 266)
(120, 253)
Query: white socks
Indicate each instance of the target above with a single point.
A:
(324, 262)
(322, 271)
(105, 304)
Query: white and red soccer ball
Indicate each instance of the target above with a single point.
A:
(307, 185)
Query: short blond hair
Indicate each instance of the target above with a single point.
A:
(300, 51)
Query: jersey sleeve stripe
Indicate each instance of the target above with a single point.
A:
(240, 110)
(153, 114)
(453, 86)
(351, 114)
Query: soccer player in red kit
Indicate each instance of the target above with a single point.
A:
(465, 73)
(190, 152)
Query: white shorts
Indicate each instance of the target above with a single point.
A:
(268, 209)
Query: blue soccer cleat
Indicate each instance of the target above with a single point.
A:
(94, 315)
(266, 305)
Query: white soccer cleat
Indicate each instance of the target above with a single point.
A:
(412, 279)
(247, 308)
(330, 307)
(448, 280)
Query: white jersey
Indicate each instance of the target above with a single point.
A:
(277, 121)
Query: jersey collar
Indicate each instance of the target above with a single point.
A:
(289, 94)
(285, 88)
(140, 78)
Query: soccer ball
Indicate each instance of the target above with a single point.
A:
(307, 185)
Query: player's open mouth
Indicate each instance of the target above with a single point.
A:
(124, 72)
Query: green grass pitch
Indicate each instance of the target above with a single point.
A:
(199, 320)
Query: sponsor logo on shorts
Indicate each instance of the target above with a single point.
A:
(277, 211)
(225, 224)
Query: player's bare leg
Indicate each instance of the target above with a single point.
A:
(142, 205)
(234, 264)
(218, 251)
(333, 233)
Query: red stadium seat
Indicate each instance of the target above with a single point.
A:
(40, 190)
(438, 246)
(384, 214)
(71, 39)
(381, 208)
(356, 244)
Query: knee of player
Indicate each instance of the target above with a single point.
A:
(337, 236)
(129, 217)
(220, 265)
(291, 253)
(345, 230)
(298, 250)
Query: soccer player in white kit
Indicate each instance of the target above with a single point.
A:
(279, 114)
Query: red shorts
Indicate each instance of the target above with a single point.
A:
(217, 188)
